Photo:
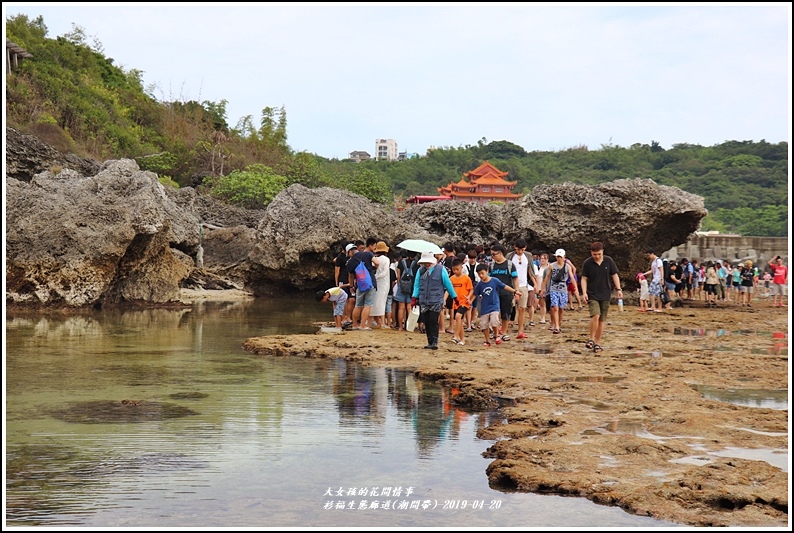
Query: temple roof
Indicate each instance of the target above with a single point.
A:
(493, 180)
(485, 168)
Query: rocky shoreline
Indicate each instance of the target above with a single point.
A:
(627, 427)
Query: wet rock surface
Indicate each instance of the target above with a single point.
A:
(624, 427)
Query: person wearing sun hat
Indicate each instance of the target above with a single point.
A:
(378, 311)
(430, 282)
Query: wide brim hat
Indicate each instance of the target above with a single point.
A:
(381, 247)
(428, 257)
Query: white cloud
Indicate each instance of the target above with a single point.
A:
(543, 76)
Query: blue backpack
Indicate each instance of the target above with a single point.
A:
(363, 277)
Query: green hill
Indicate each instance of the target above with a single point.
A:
(71, 95)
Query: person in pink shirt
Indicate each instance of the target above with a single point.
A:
(779, 281)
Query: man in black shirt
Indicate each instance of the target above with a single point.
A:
(599, 277)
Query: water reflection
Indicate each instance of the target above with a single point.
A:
(769, 398)
(700, 332)
(263, 440)
(368, 396)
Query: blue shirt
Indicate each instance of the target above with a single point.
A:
(490, 295)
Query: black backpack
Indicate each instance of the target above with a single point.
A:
(406, 278)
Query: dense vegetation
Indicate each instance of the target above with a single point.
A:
(72, 96)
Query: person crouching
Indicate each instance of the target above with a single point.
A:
(429, 285)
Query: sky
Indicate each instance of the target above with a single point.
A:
(543, 76)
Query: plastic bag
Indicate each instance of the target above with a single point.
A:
(413, 318)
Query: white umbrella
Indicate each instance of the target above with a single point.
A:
(418, 245)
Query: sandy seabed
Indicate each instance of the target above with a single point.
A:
(672, 420)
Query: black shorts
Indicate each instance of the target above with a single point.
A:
(506, 305)
(461, 310)
(449, 302)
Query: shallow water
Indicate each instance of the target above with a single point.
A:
(158, 418)
(768, 398)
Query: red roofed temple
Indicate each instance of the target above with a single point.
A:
(484, 184)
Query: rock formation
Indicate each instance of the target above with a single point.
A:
(26, 156)
(79, 241)
(117, 235)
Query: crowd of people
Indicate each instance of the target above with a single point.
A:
(481, 287)
(486, 288)
(710, 282)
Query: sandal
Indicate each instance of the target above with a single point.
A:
(487, 344)
(597, 348)
(556, 330)
(590, 344)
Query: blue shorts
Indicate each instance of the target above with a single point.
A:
(655, 288)
(559, 299)
(339, 306)
(670, 286)
(388, 303)
(401, 297)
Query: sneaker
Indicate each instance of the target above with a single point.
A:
(543, 321)
(522, 336)
(498, 340)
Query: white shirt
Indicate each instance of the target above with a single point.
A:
(521, 264)
(656, 269)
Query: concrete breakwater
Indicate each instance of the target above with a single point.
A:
(733, 248)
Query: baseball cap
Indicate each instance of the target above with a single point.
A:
(560, 252)
(349, 247)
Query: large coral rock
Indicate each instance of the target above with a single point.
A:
(112, 238)
(628, 216)
(304, 229)
(27, 156)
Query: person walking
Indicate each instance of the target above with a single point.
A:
(656, 286)
(599, 278)
(779, 281)
(522, 263)
(555, 282)
(503, 270)
(429, 286)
